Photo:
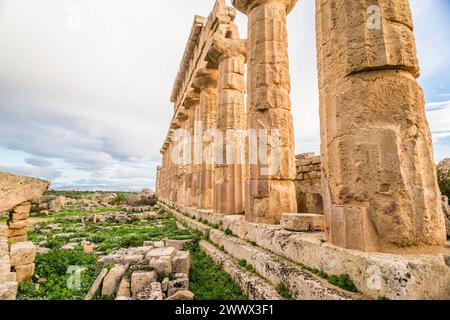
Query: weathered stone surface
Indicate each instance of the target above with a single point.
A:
(112, 280)
(446, 209)
(141, 279)
(183, 295)
(302, 222)
(96, 285)
(24, 272)
(8, 291)
(181, 262)
(22, 253)
(150, 292)
(177, 285)
(423, 276)
(162, 252)
(379, 177)
(124, 288)
(15, 190)
(252, 285)
(178, 244)
(161, 264)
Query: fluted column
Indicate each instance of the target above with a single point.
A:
(380, 188)
(206, 81)
(231, 122)
(270, 189)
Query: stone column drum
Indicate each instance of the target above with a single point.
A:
(193, 103)
(269, 194)
(380, 186)
(206, 81)
(231, 122)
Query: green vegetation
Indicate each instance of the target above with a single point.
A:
(120, 199)
(343, 281)
(208, 281)
(228, 232)
(247, 266)
(53, 268)
(284, 292)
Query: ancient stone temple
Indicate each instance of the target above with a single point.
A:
(367, 205)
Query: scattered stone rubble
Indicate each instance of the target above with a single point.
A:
(155, 271)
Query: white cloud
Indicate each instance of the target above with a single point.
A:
(95, 101)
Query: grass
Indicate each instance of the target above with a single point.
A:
(342, 281)
(53, 267)
(208, 281)
(283, 291)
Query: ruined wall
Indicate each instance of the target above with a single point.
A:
(16, 255)
(308, 183)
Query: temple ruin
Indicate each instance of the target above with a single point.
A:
(369, 203)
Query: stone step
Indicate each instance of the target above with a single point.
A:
(252, 285)
(303, 222)
(301, 283)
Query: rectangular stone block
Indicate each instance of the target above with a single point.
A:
(162, 265)
(13, 233)
(22, 253)
(4, 230)
(17, 224)
(24, 208)
(24, 272)
(17, 216)
(18, 239)
(181, 263)
(302, 222)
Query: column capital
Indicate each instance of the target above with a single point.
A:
(206, 78)
(229, 48)
(192, 99)
(245, 6)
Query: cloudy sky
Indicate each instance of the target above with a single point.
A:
(85, 84)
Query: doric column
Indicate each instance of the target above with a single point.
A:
(206, 81)
(192, 103)
(270, 189)
(380, 189)
(231, 122)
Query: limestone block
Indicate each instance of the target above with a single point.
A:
(7, 277)
(162, 265)
(22, 253)
(5, 263)
(22, 209)
(181, 263)
(165, 284)
(112, 280)
(178, 285)
(15, 190)
(8, 291)
(141, 279)
(301, 222)
(24, 272)
(17, 232)
(151, 292)
(17, 216)
(161, 252)
(267, 209)
(124, 288)
(18, 239)
(96, 285)
(17, 224)
(183, 295)
(178, 244)
(4, 230)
